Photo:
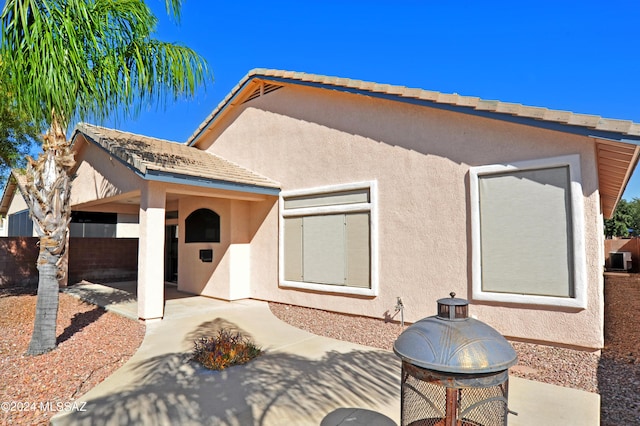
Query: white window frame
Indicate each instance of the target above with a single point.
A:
(371, 207)
(579, 300)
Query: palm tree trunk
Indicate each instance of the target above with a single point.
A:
(49, 187)
(43, 338)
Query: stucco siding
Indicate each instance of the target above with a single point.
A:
(195, 276)
(18, 204)
(100, 176)
(420, 158)
(228, 275)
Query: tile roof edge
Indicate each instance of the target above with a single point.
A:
(91, 131)
(226, 100)
(537, 113)
(124, 132)
(144, 166)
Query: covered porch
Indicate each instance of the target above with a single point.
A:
(194, 213)
(119, 297)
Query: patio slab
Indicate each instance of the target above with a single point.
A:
(301, 378)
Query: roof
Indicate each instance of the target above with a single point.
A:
(17, 181)
(468, 104)
(616, 140)
(158, 159)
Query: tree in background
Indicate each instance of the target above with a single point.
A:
(625, 221)
(69, 60)
(634, 211)
(618, 225)
(18, 135)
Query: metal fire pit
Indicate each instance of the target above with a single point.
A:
(455, 370)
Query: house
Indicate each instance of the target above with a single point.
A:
(113, 236)
(15, 208)
(345, 195)
(16, 221)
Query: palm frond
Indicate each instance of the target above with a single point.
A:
(88, 59)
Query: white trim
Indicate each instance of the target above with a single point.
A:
(371, 207)
(338, 208)
(579, 254)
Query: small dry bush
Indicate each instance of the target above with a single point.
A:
(224, 350)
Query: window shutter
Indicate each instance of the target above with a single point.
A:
(525, 227)
(357, 246)
(293, 249)
(323, 249)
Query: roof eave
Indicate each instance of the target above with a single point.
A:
(169, 177)
(8, 194)
(579, 124)
(224, 105)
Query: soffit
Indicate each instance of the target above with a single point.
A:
(616, 162)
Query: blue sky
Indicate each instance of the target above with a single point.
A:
(580, 56)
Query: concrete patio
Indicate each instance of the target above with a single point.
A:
(301, 379)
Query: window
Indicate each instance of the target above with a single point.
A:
(327, 239)
(527, 233)
(93, 224)
(202, 226)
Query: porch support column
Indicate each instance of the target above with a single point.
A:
(151, 251)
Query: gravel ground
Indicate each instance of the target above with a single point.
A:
(92, 344)
(619, 369)
(615, 374)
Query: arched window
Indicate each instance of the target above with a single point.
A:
(202, 226)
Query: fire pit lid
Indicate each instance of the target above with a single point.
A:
(454, 344)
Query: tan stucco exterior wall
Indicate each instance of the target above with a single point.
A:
(100, 176)
(420, 158)
(228, 275)
(18, 204)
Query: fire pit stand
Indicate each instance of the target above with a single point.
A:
(454, 370)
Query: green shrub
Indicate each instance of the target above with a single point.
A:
(224, 350)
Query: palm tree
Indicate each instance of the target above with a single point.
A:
(78, 60)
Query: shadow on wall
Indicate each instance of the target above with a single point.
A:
(171, 389)
(104, 259)
(18, 257)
